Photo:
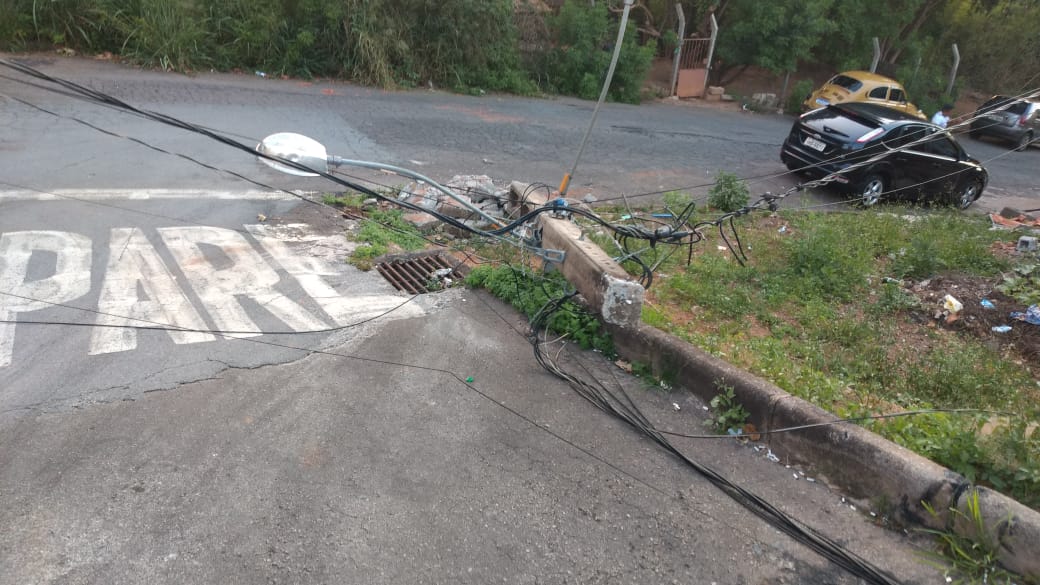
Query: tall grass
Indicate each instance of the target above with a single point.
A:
(812, 313)
(469, 45)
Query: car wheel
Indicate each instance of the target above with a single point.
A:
(870, 190)
(1025, 141)
(967, 195)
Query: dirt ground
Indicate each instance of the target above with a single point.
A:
(1021, 343)
(757, 80)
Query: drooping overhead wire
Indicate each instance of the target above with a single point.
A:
(624, 408)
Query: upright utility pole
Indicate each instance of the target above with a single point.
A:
(953, 71)
(677, 57)
(566, 182)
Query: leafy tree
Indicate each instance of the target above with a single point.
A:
(774, 35)
(896, 23)
(1010, 65)
(584, 35)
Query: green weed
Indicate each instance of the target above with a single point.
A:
(676, 201)
(812, 313)
(529, 293)
(797, 95)
(729, 193)
(727, 412)
(972, 557)
(381, 230)
(1023, 284)
(343, 199)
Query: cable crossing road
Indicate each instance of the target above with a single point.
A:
(128, 298)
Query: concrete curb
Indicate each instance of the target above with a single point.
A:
(858, 462)
(849, 457)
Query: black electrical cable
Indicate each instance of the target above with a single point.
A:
(830, 423)
(674, 237)
(385, 225)
(157, 326)
(626, 411)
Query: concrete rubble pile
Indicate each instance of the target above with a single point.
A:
(478, 189)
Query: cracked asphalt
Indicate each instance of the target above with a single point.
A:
(355, 455)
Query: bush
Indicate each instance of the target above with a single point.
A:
(584, 37)
(729, 193)
(529, 293)
(797, 95)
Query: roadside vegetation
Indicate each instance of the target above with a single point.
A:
(380, 230)
(549, 46)
(846, 310)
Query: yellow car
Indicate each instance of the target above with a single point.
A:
(862, 86)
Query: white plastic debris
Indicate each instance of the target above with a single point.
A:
(770, 456)
(676, 406)
(951, 304)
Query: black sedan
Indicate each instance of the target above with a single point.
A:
(878, 153)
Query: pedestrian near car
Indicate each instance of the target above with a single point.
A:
(942, 117)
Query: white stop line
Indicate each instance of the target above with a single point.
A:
(138, 288)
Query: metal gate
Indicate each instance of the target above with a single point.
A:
(694, 63)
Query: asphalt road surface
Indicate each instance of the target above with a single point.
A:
(634, 150)
(343, 433)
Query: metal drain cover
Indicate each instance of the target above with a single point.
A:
(415, 273)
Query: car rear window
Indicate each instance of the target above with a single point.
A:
(838, 122)
(847, 82)
(1017, 108)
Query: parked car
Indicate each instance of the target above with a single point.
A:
(862, 86)
(1015, 120)
(917, 160)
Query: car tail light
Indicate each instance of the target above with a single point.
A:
(870, 135)
(1022, 120)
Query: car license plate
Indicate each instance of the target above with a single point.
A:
(815, 144)
(822, 102)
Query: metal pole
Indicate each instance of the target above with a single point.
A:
(711, 52)
(566, 182)
(677, 56)
(877, 55)
(953, 72)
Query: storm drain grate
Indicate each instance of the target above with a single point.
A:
(417, 274)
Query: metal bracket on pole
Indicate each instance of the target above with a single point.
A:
(550, 255)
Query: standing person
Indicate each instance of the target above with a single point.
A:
(942, 117)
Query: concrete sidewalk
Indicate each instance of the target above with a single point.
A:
(373, 463)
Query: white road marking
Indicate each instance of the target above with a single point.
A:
(71, 278)
(144, 194)
(133, 262)
(247, 275)
(221, 265)
(308, 271)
